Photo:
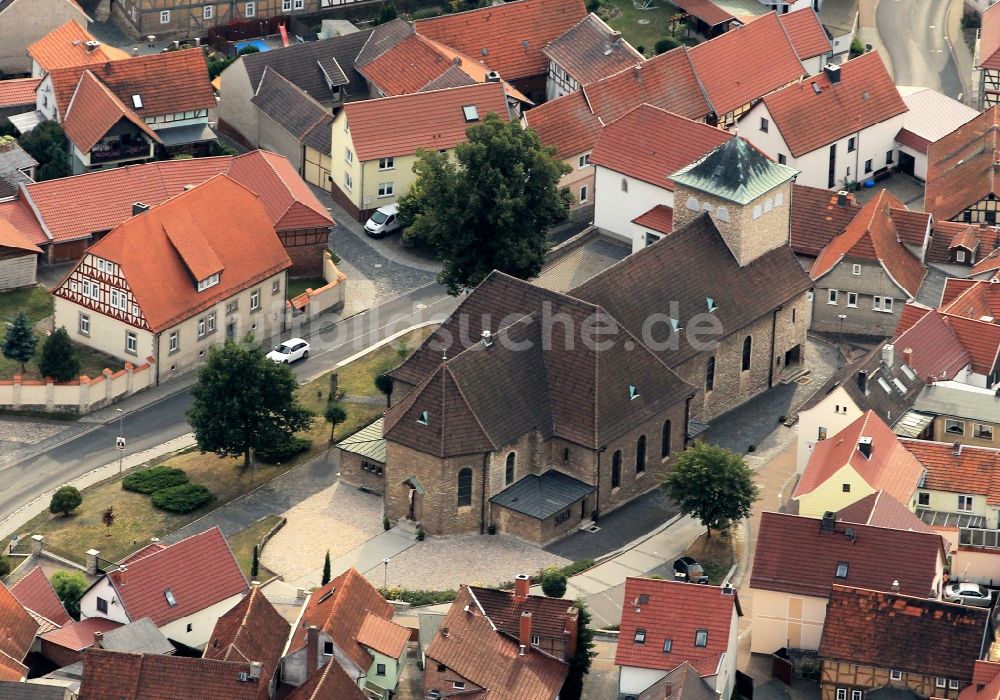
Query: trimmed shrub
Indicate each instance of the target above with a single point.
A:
(665, 44)
(553, 583)
(417, 598)
(283, 451)
(182, 499)
(154, 479)
(65, 500)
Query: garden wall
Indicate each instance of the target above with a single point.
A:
(77, 397)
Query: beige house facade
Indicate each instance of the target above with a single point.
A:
(23, 22)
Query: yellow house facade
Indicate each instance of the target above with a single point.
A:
(841, 489)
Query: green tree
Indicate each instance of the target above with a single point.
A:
(255, 563)
(244, 401)
(334, 414)
(19, 345)
(665, 44)
(65, 500)
(69, 587)
(386, 13)
(383, 382)
(490, 207)
(553, 582)
(58, 359)
(326, 568)
(712, 484)
(579, 664)
(47, 144)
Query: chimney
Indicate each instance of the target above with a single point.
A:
(908, 357)
(895, 585)
(842, 198)
(521, 585)
(521, 652)
(832, 73)
(525, 635)
(638, 72)
(487, 338)
(826, 525)
(572, 628)
(139, 208)
(91, 565)
(615, 36)
(863, 380)
(866, 447)
(888, 354)
(98, 638)
(492, 77)
(255, 669)
(312, 648)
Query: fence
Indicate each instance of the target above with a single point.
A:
(80, 396)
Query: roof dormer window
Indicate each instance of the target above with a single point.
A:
(209, 281)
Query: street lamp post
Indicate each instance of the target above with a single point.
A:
(120, 442)
(840, 342)
(385, 580)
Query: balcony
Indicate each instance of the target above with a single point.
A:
(119, 149)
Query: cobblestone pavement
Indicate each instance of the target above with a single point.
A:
(443, 563)
(19, 435)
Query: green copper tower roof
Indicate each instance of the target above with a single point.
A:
(735, 171)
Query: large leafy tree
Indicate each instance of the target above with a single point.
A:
(244, 402)
(47, 144)
(70, 587)
(19, 344)
(488, 208)
(712, 484)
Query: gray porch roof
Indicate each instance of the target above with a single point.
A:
(542, 496)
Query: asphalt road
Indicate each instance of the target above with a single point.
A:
(26, 479)
(914, 33)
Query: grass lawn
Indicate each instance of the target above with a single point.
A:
(242, 543)
(301, 284)
(644, 35)
(715, 555)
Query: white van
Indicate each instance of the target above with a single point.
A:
(383, 221)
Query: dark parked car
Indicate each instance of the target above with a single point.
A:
(687, 569)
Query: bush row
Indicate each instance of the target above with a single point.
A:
(169, 489)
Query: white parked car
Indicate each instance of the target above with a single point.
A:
(383, 221)
(968, 594)
(289, 351)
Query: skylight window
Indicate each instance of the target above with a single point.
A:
(633, 392)
(137, 101)
(471, 113)
(841, 569)
(899, 385)
(885, 385)
(668, 644)
(908, 372)
(169, 594)
(712, 306)
(640, 636)
(423, 419)
(701, 638)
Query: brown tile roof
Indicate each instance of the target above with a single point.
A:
(294, 110)
(974, 470)
(592, 50)
(199, 570)
(175, 81)
(17, 213)
(469, 645)
(384, 636)
(549, 616)
(66, 47)
(118, 674)
(894, 631)
(508, 37)
(10, 670)
(705, 10)
(936, 352)
(682, 683)
(989, 40)
(453, 77)
(35, 592)
(807, 35)
(151, 548)
(890, 468)
(650, 144)
(328, 682)
(749, 292)
(955, 287)
(17, 632)
(809, 120)
(398, 126)
(816, 218)
(872, 236)
(339, 609)
(766, 58)
(660, 218)
(882, 510)
(18, 91)
(675, 611)
(572, 123)
(251, 631)
(961, 166)
(78, 636)
(912, 227)
(94, 110)
(982, 691)
(793, 555)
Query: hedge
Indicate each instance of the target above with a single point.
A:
(154, 479)
(183, 498)
(283, 451)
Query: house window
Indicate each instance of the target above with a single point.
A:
(967, 216)
(665, 440)
(624, 184)
(701, 638)
(856, 695)
(954, 427)
(165, 17)
(563, 517)
(84, 324)
(764, 124)
(953, 684)
(923, 499)
(386, 189)
(201, 328)
(856, 269)
(852, 300)
(851, 144)
(888, 158)
(846, 488)
(583, 194)
(668, 644)
(536, 640)
(131, 346)
(991, 218)
(348, 182)
(883, 304)
(868, 166)
(983, 432)
(747, 352)
(250, 9)
(959, 256)
(102, 605)
(206, 12)
(940, 682)
(640, 455)
(174, 341)
(584, 160)
(386, 163)
(464, 487)
(255, 300)
(509, 472)
(616, 469)
(209, 281)
(190, 627)
(327, 648)
(782, 159)
(710, 374)
(348, 155)
(831, 296)
(640, 636)
(300, 4)
(211, 322)
(842, 568)
(964, 503)
(821, 433)
(379, 669)
(841, 693)
(651, 238)
(896, 675)
(458, 685)
(275, 286)
(286, 5)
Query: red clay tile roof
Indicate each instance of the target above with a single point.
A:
(18, 213)
(975, 470)
(980, 338)
(66, 47)
(794, 556)
(764, 54)
(151, 548)
(508, 37)
(882, 510)
(592, 50)
(199, 570)
(954, 287)
(936, 352)
(398, 126)
(339, 609)
(816, 218)
(118, 674)
(167, 83)
(912, 227)
(94, 110)
(475, 650)
(984, 672)
(705, 10)
(961, 166)
(808, 120)
(660, 218)
(671, 610)
(895, 631)
(871, 235)
(912, 312)
(12, 238)
(384, 636)
(406, 67)
(650, 143)
(989, 40)
(329, 682)
(808, 37)
(991, 263)
(35, 592)
(78, 636)
(572, 123)
(251, 631)
(890, 467)
(18, 91)
(549, 616)
(17, 632)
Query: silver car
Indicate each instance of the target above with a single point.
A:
(968, 594)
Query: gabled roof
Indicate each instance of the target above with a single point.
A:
(469, 645)
(367, 442)
(18, 91)
(807, 35)
(572, 123)
(550, 617)
(660, 218)
(675, 611)
(890, 467)
(817, 218)
(795, 556)
(11, 238)
(814, 112)
(542, 496)
(94, 110)
(683, 683)
(890, 630)
(745, 63)
(882, 510)
(398, 126)
(508, 37)
(930, 116)
(736, 171)
(140, 636)
(66, 46)
(17, 632)
(77, 636)
(327, 682)
(707, 11)
(407, 67)
(872, 236)
(294, 110)
(592, 50)
(339, 609)
(382, 635)
(936, 352)
(35, 593)
(989, 40)
(650, 144)
(199, 571)
(114, 674)
(961, 166)
(966, 470)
